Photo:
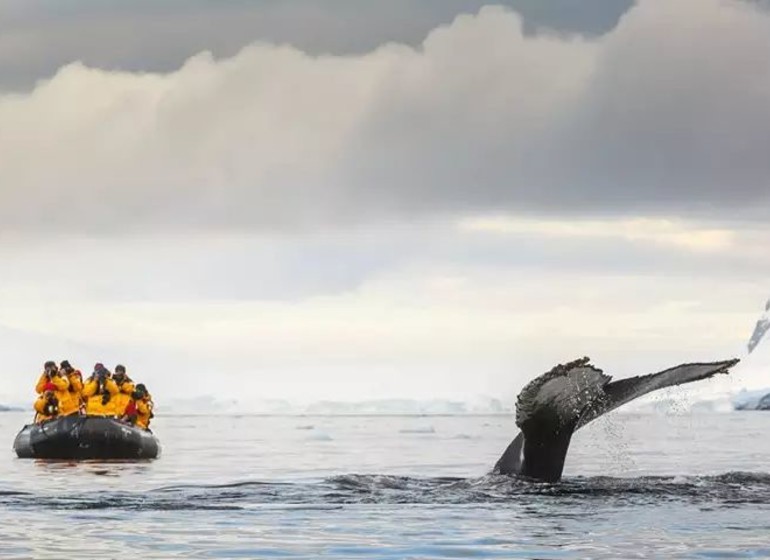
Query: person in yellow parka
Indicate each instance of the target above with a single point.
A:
(144, 407)
(52, 376)
(137, 410)
(47, 404)
(74, 401)
(99, 393)
(125, 389)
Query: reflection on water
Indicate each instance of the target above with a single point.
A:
(116, 467)
(397, 487)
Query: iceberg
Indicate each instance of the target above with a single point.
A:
(395, 406)
(10, 408)
(752, 400)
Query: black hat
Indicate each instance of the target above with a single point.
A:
(120, 367)
(65, 364)
(50, 364)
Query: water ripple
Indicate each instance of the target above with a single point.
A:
(723, 490)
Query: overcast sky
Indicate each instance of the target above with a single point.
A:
(366, 199)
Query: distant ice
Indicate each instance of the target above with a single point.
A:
(680, 405)
(11, 408)
(319, 436)
(749, 400)
(688, 404)
(10, 404)
(211, 405)
(675, 401)
(421, 430)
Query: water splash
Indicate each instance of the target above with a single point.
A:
(615, 444)
(762, 326)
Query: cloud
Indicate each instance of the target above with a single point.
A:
(299, 267)
(39, 36)
(385, 222)
(644, 230)
(412, 332)
(664, 115)
(443, 309)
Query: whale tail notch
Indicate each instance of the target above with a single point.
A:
(551, 407)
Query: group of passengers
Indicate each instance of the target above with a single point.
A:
(62, 392)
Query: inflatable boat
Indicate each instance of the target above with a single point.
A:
(85, 437)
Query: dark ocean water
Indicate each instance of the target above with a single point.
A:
(636, 486)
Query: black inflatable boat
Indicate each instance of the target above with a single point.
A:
(85, 437)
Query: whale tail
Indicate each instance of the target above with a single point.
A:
(551, 407)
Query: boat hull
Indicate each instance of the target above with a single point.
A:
(85, 437)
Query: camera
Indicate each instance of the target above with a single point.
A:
(52, 406)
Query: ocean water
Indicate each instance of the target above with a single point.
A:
(635, 486)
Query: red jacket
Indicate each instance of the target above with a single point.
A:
(130, 408)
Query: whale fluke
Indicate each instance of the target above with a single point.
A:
(551, 407)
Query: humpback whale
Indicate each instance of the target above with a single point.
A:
(551, 407)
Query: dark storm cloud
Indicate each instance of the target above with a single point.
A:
(667, 114)
(39, 36)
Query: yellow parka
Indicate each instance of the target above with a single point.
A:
(125, 389)
(75, 393)
(61, 389)
(99, 404)
(61, 383)
(144, 408)
(44, 411)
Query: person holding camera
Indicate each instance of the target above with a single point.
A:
(144, 406)
(47, 404)
(131, 412)
(138, 411)
(52, 388)
(125, 388)
(99, 392)
(74, 401)
(51, 374)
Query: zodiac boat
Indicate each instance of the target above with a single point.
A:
(85, 437)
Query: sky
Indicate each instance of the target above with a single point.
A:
(356, 200)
